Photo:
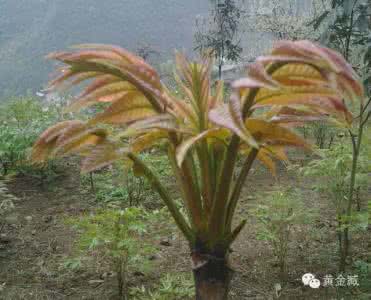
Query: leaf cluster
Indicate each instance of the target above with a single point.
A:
(335, 165)
(115, 234)
(278, 216)
(21, 121)
(333, 171)
(170, 287)
(363, 268)
(203, 132)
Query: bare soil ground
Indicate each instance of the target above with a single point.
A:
(34, 250)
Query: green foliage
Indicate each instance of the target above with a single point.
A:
(116, 235)
(277, 218)
(366, 148)
(340, 178)
(160, 162)
(122, 188)
(347, 29)
(171, 287)
(72, 264)
(323, 133)
(114, 232)
(335, 166)
(13, 146)
(363, 269)
(21, 122)
(203, 134)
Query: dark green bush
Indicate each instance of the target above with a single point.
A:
(21, 122)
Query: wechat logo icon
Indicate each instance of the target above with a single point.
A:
(310, 280)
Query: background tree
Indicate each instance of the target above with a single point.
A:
(204, 134)
(220, 32)
(145, 51)
(284, 20)
(346, 28)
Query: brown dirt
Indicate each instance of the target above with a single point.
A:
(35, 248)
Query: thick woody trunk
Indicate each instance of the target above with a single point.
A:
(212, 275)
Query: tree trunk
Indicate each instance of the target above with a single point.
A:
(212, 275)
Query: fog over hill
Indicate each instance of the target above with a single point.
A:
(29, 29)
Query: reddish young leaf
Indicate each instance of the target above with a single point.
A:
(133, 106)
(101, 156)
(47, 141)
(272, 133)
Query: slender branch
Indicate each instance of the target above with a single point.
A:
(157, 185)
(353, 138)
(350, 31)
(339, 39)
(366, 105)
(356, 151)
(366, 119)
(364, 109)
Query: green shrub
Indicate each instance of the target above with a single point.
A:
(116, 236)
(21, 122)
(333, 168)
(323, 134)
(159, 161)
(118, 187)
(363, 269)
(14, 143)
(277, 216)
(171, 287)
(343, 176)
(122, 188)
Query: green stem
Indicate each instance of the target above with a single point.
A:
(235, 233)
(217, 220)
(157, 185)
(188, 181)
(355, 156)
(204, 158)
(239, 185)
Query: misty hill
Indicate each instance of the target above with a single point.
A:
(30, 29)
